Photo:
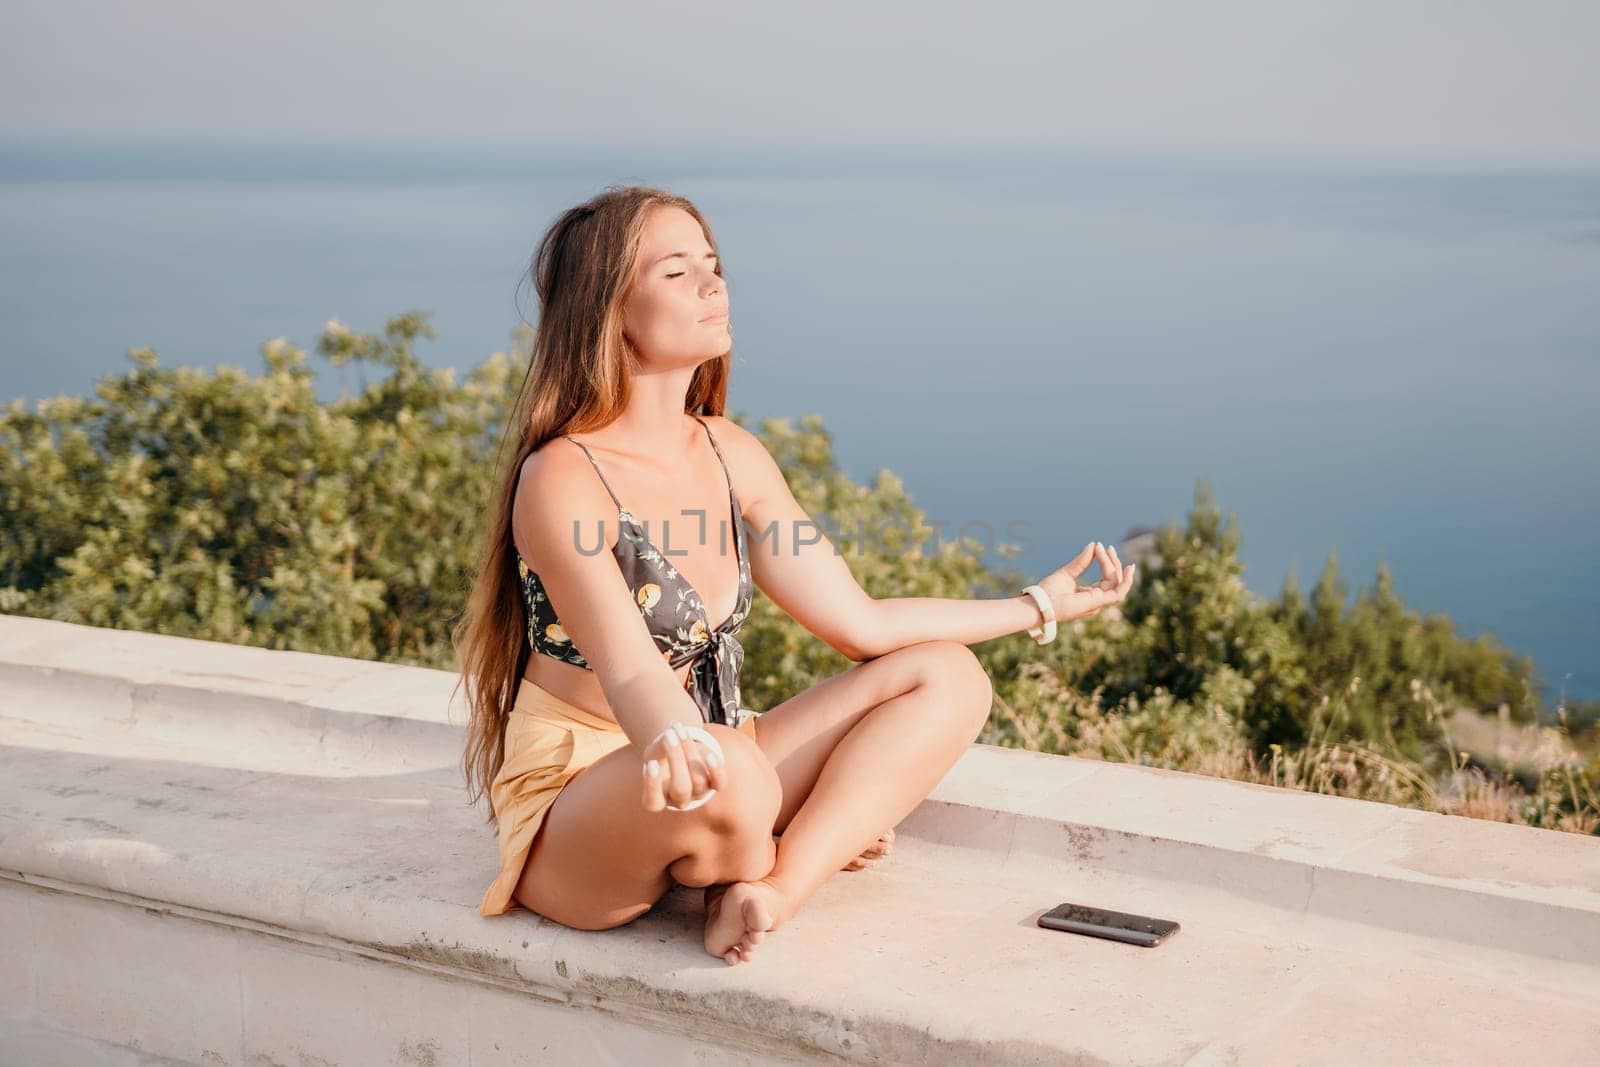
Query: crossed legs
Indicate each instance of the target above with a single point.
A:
(830, 770)
(854, 755)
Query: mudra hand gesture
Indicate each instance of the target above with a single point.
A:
(683, 768)
(1073, 601)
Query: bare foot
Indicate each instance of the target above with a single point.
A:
(738, 917)
(870, 855)
(873, 852)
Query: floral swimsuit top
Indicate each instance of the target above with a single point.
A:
(671, 607)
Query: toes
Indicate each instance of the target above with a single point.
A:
(874, 852)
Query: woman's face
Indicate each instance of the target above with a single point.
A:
(677, 312)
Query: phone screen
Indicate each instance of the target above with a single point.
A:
(1113, 925)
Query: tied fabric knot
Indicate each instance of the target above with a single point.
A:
(714, 678)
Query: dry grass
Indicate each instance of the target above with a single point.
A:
(1162, 732)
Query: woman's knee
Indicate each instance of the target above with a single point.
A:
(737, 843)
(752, 791)
(956, 672)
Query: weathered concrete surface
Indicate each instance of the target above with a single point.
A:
(215, 854)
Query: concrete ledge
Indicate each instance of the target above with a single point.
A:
(287, 834)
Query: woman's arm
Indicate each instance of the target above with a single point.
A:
(895, 622)
(795, 564)
(556, 513)
(904, 620)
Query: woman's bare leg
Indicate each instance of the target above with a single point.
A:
(870, 855)
(848, 773)
(601, 860)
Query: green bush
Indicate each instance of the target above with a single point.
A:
(240, 508)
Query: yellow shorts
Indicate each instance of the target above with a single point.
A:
(548, 742)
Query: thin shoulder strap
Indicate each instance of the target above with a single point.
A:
(716, 446)
(598, 471)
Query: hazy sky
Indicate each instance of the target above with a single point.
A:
(1484, 79)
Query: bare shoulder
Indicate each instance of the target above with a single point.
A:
(753, 467)
(557, 487)
(730, 433)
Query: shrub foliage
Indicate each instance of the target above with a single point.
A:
(241, 508)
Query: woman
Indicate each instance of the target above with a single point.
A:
(585, 653)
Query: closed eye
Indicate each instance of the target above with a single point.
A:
(679, 274)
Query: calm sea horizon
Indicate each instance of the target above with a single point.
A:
(1394, 363)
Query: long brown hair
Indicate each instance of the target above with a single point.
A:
(578, 379)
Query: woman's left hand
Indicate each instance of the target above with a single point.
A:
(1073, 601)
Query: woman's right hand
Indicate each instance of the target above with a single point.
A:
(688, 771)
(1073, 601)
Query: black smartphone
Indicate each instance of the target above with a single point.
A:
(1113, 925)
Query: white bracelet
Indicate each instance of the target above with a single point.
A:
(701, 734)
(1047, 632)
